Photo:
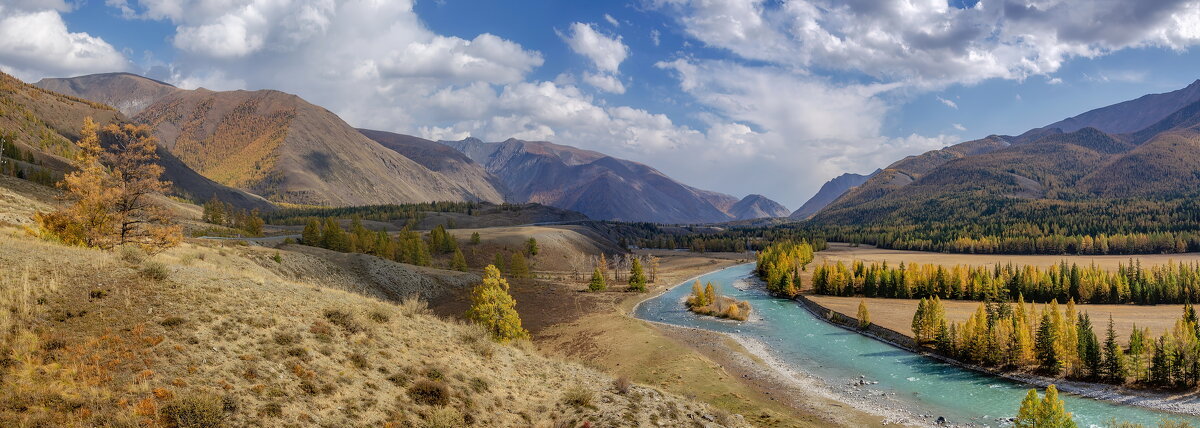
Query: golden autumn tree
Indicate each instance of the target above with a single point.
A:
(112, 190)
(495, 309)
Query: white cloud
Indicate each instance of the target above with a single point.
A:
(1123, 76)
(959, 127)
(929, 43)
(948, 103)
(604, 82)
(35, 43)
(606, 52)
(655, 37)
(611, 21)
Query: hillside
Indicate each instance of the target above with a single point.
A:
(128, 93)
(757, 206)
(597, 185)
(1132, 115)
(46, 124)
(1085, 182)
(452, 164)
(272, 144)
(830, 191)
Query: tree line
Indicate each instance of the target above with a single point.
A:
(221, 213)
(1129, 283)
(386, 212)
(1058, 342)
(780, 264)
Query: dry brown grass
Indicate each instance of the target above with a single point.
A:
(106, 345)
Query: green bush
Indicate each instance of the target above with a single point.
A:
(194, 411)
(429, 392)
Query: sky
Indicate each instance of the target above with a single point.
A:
(751, 96)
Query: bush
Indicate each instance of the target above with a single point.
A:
(429, 392)
(444, 417)
(578, 396)
(622, 385)
(132, 255)
(194, 411)
(155, 271)
(343, 319)
(379, 316)
(172, 322)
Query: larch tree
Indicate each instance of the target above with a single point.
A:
(312, 233)
(597, 282)
(517, 267)
(458, 262)
(494, 309)
(637, 278)
(113, 188)
(710, 293)
(864, 317)
(474, 238)
(1047, 412)
(531, 247)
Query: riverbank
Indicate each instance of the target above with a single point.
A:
(704, 365)
(1183, 403)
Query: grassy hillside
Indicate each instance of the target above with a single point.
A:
(206, 331)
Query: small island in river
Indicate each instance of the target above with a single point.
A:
(706, 301)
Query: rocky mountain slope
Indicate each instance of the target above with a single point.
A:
(830, 191)
(757, 206)
(1045, 175)
(273, 144)
(597, 185)
(46, 123)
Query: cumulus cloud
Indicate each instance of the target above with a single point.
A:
(35, 43)
(604, 82)
(931, 43)
(605, 52)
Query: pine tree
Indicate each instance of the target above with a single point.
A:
(637, 278)
(474, 238)
(918, 321)
(495, 309)
(1114, 368)
(1089, 348)
(517, 267)
(500, 262)
(459, 262)
(1046, 345)
(597, 282)
(1048, 412)
(864, 317)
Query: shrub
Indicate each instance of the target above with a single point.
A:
(132, 254)
(379, 316)
(479, 385)
(444, 417)
(194, 411)
(172, 322)
(277, 258)
(429, 392)
(155, 271)
(622, 385)
(284, 339)
(271, 409)
(413, 306)
(359, 361)
(343, 319)
(578, 396)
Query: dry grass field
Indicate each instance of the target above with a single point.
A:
(844, 252)
(897, 314)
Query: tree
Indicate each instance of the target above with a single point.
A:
(1114, 366)
(495, 309)
(517, 267)
(500, 262)
(214, 211)
(697, 298)
(312, 233)
(458, 262)
(1089, 348)
(637, 278)
(597, 282)
(474, 238)
(531, 247)
(1046, 345)
(864, 317)
(710, 293)
(1047, 412)
(112, 191)
(654, 262)
(334, 238)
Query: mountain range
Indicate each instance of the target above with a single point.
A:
(257, 146)
(1147, 149)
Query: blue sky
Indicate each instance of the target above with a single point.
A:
(769, 97)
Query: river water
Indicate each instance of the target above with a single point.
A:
(905, 380)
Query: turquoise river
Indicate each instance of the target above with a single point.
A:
(920, 384)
